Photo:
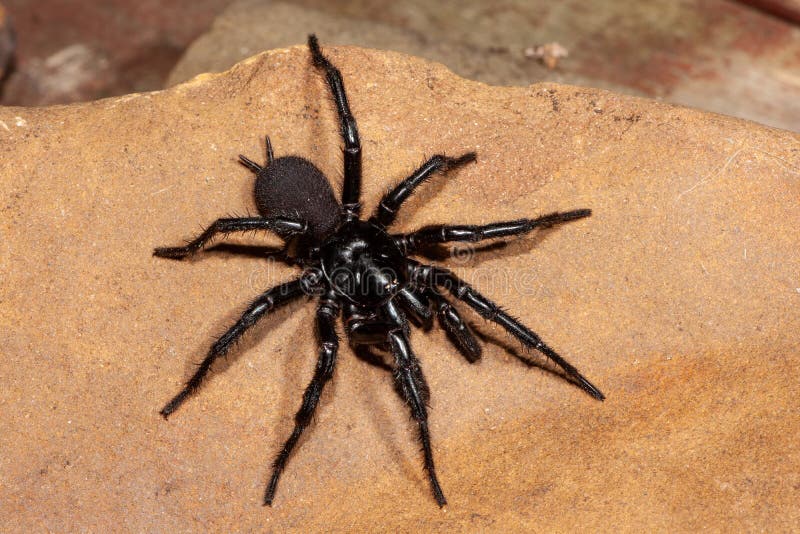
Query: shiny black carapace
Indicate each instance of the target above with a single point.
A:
(358, 269)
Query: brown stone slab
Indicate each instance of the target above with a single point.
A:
(715, 55)
(678, 298)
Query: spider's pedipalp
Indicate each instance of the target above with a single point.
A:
(416, 304)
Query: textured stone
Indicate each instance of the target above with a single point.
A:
(788, 9)
(678, 298)
(7, 42)
(715, 55)
(249, 26)
(70, 51)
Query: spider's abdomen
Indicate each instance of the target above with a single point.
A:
(293, 187)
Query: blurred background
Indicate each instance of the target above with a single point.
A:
(736, 57)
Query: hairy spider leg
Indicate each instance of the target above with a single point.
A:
(413, 389)
(327, 312)
(265, 303)
(456, 327)
(445, 233)
(389, 205)
(449, 318)
(446, 279)
(227, 226)
(417, 303)
(390, 331)
(351, 191)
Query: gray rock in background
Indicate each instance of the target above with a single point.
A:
(251, 26)
(715, 55)
(7, 41)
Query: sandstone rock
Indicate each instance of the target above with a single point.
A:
(714, 55)
(678, 297)
(249, 26)
(788, 9)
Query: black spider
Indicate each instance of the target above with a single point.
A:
(359, 269)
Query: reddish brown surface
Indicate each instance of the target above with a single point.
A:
(689, 45)
(678, 297)
(138, 41)
(787, 9)
(6, 43)
(716, 55)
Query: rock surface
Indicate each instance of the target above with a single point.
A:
(7, 43)
(715, 55)
(69, 52)
(678, 297)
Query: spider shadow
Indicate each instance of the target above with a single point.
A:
(379, 409)
(254, 337)
(256, 334)
(441, 253)
(317, 116)
(292, 383)
(472, 256)
(523, 354)
(252, 251)
(288, 394)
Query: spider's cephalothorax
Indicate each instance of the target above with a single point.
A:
(358, 269)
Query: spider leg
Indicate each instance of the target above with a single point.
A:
(412, 387)
(442, 233)
(351, 192)
(280, 225)
(456, 327)
(327, 312)
(390, 203)
(416, 303)
(389, 331)
(265, 303)
(443, 278)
